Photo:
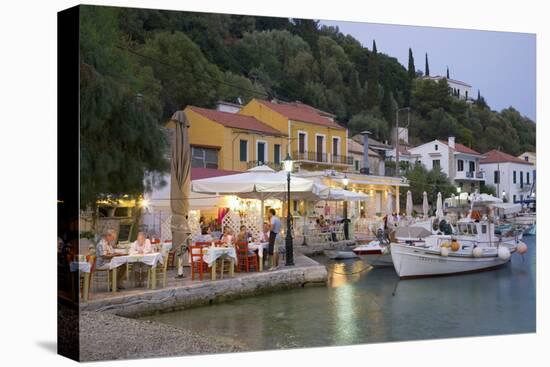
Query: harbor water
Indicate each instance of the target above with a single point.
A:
(358, 306)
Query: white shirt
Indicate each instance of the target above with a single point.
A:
(146, 248)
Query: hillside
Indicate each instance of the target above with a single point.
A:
(198, 58)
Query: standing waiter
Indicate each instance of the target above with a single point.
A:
(274, 229)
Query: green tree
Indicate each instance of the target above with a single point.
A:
(448, 72)
(427, 67)
(411, 69)
(372, 79)
(120, 137)
(433, 181)
(371, 122)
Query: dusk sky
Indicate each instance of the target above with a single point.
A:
(502, 65)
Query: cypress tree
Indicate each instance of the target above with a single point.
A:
(447, 72)
(411, 69)
(372, 79)
(427, 67)
(478, 96)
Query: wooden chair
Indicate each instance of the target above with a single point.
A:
(223, 264)
(91, 260)
(161, 271)
(245, 258)
(197, 261)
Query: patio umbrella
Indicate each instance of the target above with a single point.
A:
(425, 205)
(389, 204)
(439, 207)
(409, 206)
(180, 181)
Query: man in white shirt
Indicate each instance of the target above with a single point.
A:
(140, 246)
(274, 229)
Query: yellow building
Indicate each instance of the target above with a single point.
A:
(316, 141)
(231, 141)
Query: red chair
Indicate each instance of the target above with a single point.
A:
(245, 258)
(197, 261)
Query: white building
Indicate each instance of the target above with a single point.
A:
(512, 177)
(458, 162)
(458, 88)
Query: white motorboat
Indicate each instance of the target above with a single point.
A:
(413, 261)
(341, 255)
(376, 253)
(474, 248)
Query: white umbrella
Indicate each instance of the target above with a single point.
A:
(257, 183)
(425, 205)
(439, 207)
(389, 204)
(409, 205)
(341, 194)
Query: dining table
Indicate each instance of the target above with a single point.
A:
(82, 269)
(150, 259)
(260, 247)
(213, 253)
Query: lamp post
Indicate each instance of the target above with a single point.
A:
(397, 135)
(458, 190)
(288, 163)
(345, 181)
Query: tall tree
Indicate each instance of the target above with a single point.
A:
(447, 72)
(427, 67)
(372, 79)
(411, 69)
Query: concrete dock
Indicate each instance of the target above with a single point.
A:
(185, 293)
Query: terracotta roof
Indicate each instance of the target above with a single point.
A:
(237, 121)
(197, 173)
(357, 148)
(297, 112)
(496, 156)
(462, 148)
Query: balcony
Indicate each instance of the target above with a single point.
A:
(470, 175)
(323, 158)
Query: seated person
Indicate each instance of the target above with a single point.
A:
(264, 236)
(227, 236)
(244, 235)
(141, 245)
(105, 252)
(205, 236)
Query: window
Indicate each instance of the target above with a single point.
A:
(521, 198)
(301, 142)
(527, 177)
(460, 164)
(356, 165)
(472, 187)
(436, 163)
(521, 179)
(204, 157)
(436, 147)
(496, 177)
(514, 198)
(484, 228)
(514, 177)
(277, 154)
(243, 151)
(472, 166)
(526, 158)
(466, 94)
(320, 148)
(261, 151)
(335, 146)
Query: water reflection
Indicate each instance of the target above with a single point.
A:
(357, 306)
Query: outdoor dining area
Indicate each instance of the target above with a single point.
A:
(112, 266)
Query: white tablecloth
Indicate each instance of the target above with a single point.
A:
(82, 266)
(260, 246)
(211, 254)
(148, 259)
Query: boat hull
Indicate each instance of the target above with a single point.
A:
(414, 262)
(380, 260)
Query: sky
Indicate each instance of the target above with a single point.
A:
(502, 65)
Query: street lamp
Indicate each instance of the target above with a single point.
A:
(288, 163)
(503, 195)
(458, 190)
(345, 181)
